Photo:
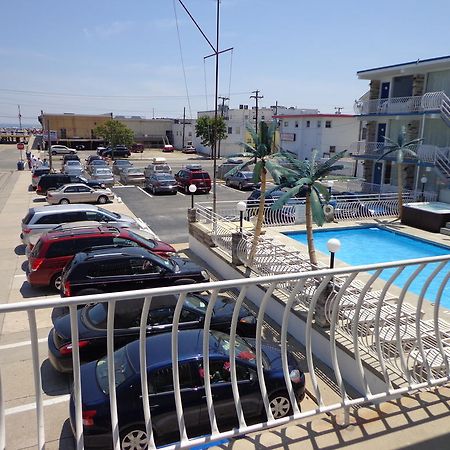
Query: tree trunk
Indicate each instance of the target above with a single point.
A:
(260, 218)
(309, 231)
(400, 189)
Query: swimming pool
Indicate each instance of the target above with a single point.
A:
(372, 245)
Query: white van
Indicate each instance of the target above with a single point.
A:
(158, 165)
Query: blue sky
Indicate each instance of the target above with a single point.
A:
(124, 57)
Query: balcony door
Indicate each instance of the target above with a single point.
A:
(385, 89)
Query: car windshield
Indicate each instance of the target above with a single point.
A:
(149, 243)
(73, 163)
(247, 174)
(122, 369)
(243, 351)
(196, 303)
(103, 172)
(98, 162)
(165, 178)
(110, 213)
(122, 162)
(134, 171)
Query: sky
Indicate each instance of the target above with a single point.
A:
(146, 57)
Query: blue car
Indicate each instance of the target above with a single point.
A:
(95, 392)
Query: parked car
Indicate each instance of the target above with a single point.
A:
(116, 152)
(61, 150)
(132, 175)
(193, 174)
(119, 165)
(127, 316)
(36, 175)
(242, 180)
(168, 148)
(55, 248)
(73, 168)
(137, 148)
(100, 150)
(95, 389)
(45, 218)
(161, 183)
(91, 158)
(189, 149)
(78, 193)
(96, 163)
(124, 269)
(158, 165)
(56, 180)
(70, 157)
(103, 175)
(80, 147)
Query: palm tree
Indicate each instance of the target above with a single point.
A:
(261, 153)
(401, 149)
(308, 177)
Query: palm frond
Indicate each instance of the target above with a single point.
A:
(322, 190)
(238, 168)
(316, 208)
(287, 196)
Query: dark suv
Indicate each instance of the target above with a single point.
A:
(56, 248)
(56, 180)
(193, 174)
(117, 152)
(125, 269)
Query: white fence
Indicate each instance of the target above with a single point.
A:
(406, 353)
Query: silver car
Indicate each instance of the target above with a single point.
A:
(45, 218)
(95, 163)
(132, 175)
(78, 193)
(73, 168)
(242, 180)
(103, 174)
(62, 150)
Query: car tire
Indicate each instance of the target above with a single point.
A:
(227, 182)
(134, 437)
(64, 201)
(56, 281)
(102, 199)
(280, 405)
(183, 281)
(90, 291)
(186, 190)
(53, 153)
(240, 186)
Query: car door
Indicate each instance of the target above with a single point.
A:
(71, 193)
(86, 194)
(146, 273)
(162, 399)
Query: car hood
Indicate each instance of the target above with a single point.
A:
(186, 266)
(224, 307)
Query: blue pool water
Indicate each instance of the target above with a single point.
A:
(374, 245)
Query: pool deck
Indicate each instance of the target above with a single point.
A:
(391, 224)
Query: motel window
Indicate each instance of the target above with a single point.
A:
(286, 124)
(328, 124)
(319, 123)
(296, 124)
(308, 123)
(332, 149)
(263, 118)
(230, 130)
(190, 134)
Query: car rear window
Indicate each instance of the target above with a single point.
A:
(40, 172)
(36, 249)
(28, 217)
(122, 369)
(59, 249)
(200, 176)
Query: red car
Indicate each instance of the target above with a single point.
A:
(56, 248)
(193, 174)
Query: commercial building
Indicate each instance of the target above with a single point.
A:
(411, 97)
(150, 132)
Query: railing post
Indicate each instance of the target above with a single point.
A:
(192, 215)
(235, 240)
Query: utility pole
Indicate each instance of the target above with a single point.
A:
(20, 118)
(256, 97)
(184, 125)
(338, 109)
(221, 115)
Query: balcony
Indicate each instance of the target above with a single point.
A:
(429, 102)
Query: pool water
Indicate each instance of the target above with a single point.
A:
(361, 246)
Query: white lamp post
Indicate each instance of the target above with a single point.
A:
(330, 185)
(423, 180)
(241, 207)
(333, 245)
(192, 190)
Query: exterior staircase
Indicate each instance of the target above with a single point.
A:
(445, 109)
(446, 230)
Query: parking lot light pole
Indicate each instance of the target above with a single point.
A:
(423, 180)
(241, 207)
(192, 190)
(333, 245)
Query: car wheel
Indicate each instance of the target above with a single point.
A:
(227, 182)
(280, 405)
(56, 281)
(90, 291)
(64, 201)
(186, 190)
(53, 153)
(102, 199)
(240, 186)
(134, 438)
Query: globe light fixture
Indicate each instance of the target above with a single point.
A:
(333, 246)
(241, 207)
(192, 190)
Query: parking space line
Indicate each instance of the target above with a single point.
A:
(32, 406)
(183, 194)
(145, 192)
(21, 344)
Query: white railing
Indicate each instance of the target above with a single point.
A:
(431, 101)
(406, 353)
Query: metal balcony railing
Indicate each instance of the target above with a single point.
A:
(406, 352)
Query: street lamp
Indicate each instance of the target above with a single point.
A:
(192, 190)
(330, 185)
(333, 245)
(423, 180)
(241, 207)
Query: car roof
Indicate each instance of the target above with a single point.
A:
(80, 231)
(159, 353)
(137, 252)
(63, 208)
